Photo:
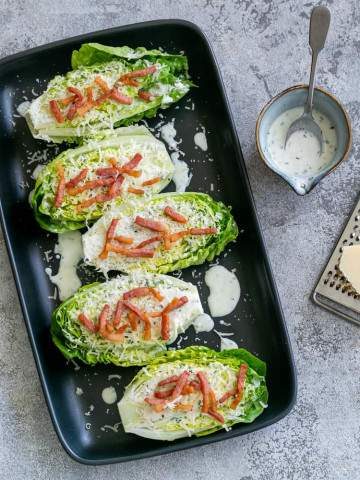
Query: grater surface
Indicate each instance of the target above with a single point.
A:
(333, 291)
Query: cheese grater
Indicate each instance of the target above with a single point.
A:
(333, 291)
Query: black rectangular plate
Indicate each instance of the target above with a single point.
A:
(258, 323)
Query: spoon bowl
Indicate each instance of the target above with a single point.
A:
(307, 124)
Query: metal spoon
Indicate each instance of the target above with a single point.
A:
(319, 26)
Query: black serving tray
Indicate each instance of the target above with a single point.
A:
(257, 323)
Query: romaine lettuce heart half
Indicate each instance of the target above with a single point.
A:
(76, 341)
(94, 108)
(200, 212)
(122, 145)
(182, 416)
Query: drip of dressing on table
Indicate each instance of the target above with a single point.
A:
(109, 395)
(301, 160)
(69, 247)
(224, 290)
(182, 175)
(203, 323)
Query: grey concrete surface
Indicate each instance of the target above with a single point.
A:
(261, 48)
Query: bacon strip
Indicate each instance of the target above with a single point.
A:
(132, 319)
(240, 385)
(84, 320)
(184, 407)
(60, 191)
(217, 415)
(164, 393)
(117, 336)
(115, 188)
(129, 81)
(118, 312)
(173, 237)
(120, 97)
(133, 173)
(154, 401)
(151, 181)
(102, 84)
(180, 385)
(149, 241)
(187, 390)
(123, 239)
(136, 191)
(175, 303)
(101, 198)
(77, 179)
(71, 112)
(147, 96)
(85, 107)
(133, 163)
(143, 316)
(227, 395)
(143, 292)
(110, 234)
(55, 110)
(165, 326)
(170, 212)
(139, 73)
(151, 224)
(100, 100)
(79, 98)
(103, 318)
(166, 381)
(107, 171)
(67, 100)
(203, 231)
(204, 386)
(89, 95)
(90, 185)
(131, 252)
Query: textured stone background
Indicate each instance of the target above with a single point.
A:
(261, 46)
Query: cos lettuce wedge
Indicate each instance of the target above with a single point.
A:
(168, 232)
(75, 187)
(195, 391)
(125, 321)
(109, 87)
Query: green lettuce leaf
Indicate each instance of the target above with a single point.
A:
(122, 143)
(91, 53)
(221, 369)
(200, 210)
(75, 341)
(168, 84)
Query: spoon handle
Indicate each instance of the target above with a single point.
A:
(319, 26)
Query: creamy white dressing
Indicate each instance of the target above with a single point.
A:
(23, 108)
(109, 395)
(79, 391)
(200, 140)
(182, 175)
(36, 172)
(227, 344)
(203, 323)
(301, 159)
(224, 290)
(69, 247)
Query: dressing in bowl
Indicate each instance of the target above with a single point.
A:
(301, 163)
